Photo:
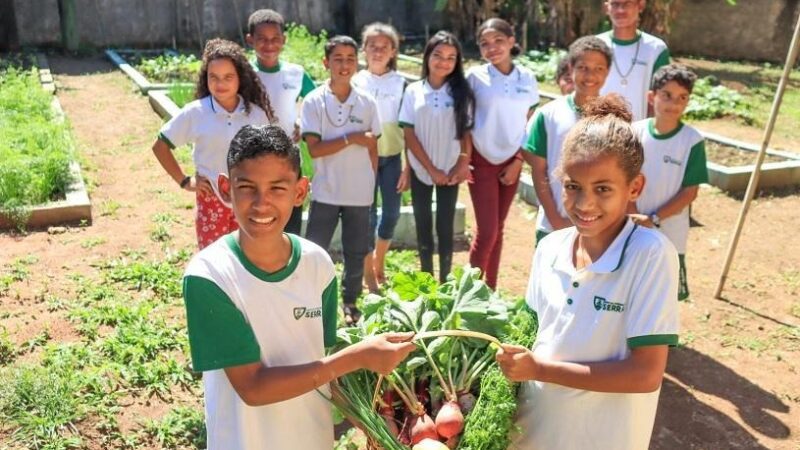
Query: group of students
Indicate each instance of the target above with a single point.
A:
(262, 302)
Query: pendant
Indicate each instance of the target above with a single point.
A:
(624, 82)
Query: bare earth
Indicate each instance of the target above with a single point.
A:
(733, 383)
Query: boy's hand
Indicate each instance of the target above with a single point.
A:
(404, 182)
(382, 353)
(200, 184)
(365, 139)
(641, 219)
(510, 173)
(459, 172)
(517, 363)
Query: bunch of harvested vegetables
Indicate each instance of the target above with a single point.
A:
(426, 402)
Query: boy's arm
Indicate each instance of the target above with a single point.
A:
(676, 204)
(541, 184)
(259, 385)
(641, 372)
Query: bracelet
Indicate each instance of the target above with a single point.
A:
(346, 142)
(185, 182)
(463, 154)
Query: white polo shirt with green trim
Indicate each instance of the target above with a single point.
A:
(502, 103)
(632, 68)
(672, 161)
(345, 178)
(211, 129)
(625, 299)
(548, 129)
(387, 90)
(430, 112)
(285, 84)
(238, 314)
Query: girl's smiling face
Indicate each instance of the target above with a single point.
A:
(496, 47)
(379, 50)
(442, 61)
(596, 194)
(223, 81)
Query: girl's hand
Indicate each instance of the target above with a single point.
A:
(384, 352)
(459, 172)
(518, 363)
(200, 184)
(510, 173)
(641, 219)
(404, 182)
(439, 177)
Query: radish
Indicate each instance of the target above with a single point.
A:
(422, 427)
(429, 444)
(467, 401)
(449, 421)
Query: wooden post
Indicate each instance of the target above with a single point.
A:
(791, 57)
(68, 13)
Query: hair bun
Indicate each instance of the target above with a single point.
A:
(613, 105)
(516, 50)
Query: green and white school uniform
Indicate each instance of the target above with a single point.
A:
(285, 84)
(387, 90)
(430, 112)
(548, 129)
(503, 102)
(238, 314)
(672, 161)
(632, 68)
(210, 128)
(345, 178)
(624, 300)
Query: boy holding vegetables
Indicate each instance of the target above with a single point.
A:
(261, 308)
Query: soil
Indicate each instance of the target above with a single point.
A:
(732, 383)
(732, 156)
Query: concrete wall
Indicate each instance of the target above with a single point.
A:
(37, 22)
(753, 29)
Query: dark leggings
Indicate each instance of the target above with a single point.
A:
(422, 202)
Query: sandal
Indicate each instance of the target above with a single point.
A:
(351, 314)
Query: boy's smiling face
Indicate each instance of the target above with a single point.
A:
(589, 73)
(267, 40)
(669, 101)
(342, 63)
(263, 191)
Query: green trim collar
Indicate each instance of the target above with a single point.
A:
(571, 103)
(274, 277)
(651, 127)
(263, 68)
(625, 41)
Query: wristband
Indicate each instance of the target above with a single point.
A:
(346, 142)
(185, 182)
(463, 154)
(656, 220)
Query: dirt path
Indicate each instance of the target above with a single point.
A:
(734, 382)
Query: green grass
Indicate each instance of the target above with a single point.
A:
(36, 148)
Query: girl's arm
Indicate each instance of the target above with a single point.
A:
(259, 385)
(460, 172)
(167, 160)
(318, 148)
(641, 372)
(541, 185)
(413, 144)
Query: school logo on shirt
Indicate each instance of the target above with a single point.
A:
(288, 86)
(670, 160)
(301, 312)
(601, 304)
(354, 119)
(522, 90)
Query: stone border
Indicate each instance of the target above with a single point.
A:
(405, 235)
(76, 207)
(144, 85)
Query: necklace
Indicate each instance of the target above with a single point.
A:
(328, 116)
(624, 78)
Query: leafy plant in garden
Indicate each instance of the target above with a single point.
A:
(543, 64)
(181, 94)
(169, 68)
(181, 427)
(304, 48)
(711, 100)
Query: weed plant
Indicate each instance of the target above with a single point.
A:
(170, 68)
(711, 100)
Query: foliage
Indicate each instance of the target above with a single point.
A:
(181, 93)
(181, 427)
(36, 146)
(304, 48)
(544, 64)
(711, 100)
(170, 68)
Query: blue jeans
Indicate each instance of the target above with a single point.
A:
(389, 170)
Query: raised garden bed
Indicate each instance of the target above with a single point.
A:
(126, 59)
(73, 205)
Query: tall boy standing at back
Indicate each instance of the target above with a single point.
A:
(341, 126)
(674, 162)
(261, 308)
(637, 55)
(284, 82)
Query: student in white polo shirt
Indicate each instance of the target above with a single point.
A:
(505, 96)
(341, 126)
(637, 55)
(285, 82)
(590, 58)
(229, 96)
(261, 308)
(380, 43)
(674, 162)
(436, 116)
(605, 293)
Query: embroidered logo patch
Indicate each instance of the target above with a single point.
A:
(669, 160)
(354, 119)
(301, 312)
(601, 304)
(288, 86)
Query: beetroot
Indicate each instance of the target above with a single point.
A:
(422, 427)
(449, 420)
(466, 401)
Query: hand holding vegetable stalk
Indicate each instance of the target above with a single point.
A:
(382, 353)
(518, 363)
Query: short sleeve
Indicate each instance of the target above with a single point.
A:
(330, 311)
(537, 138)
(219, 334)
(406, 117)
(696, 170)
(178, 131)
(662, 60)
(652, 316)
(308, 84)
(310, 120)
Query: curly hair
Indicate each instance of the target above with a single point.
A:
(250, 87)
(463, 97)
(674, 72)
(255, 141)
(589, 44)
